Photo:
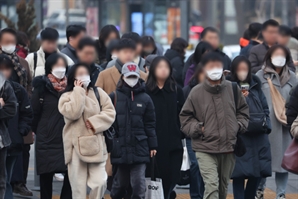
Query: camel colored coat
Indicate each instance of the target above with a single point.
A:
(77, 108)
(109, 78)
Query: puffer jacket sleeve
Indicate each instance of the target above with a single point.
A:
(253, 58)
(26, 113)
(9, 110)
(71, 105)
(104, 120)
(292, 107)
(242, 112)
(149, 124)
(190, 125)
(266, 109)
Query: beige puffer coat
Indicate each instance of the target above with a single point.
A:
(77, 108)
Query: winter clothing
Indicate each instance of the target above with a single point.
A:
(221, 121)
(79, 107)
(20, 124)
(280, 137)
(294, 129)
(292, 106)
(246, 50)
(186, 66)
(225, 58)
(70, 52)
(22, 51)
(41, 59)
(190, 72)
(139, 61)
(129, 174)
(59, 85)
(293, 46)
(95, 70)
(216, 170)
(109, 78)
(7, 111)
(177, 63)
(257, 55)
(149, 59)
(257, 160)
(136, 123)
(169, 156)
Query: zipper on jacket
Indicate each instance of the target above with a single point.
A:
(217, 121)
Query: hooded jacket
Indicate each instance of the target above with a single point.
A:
(213, 108)
(135, 125)
(7, 111)
(78, 108)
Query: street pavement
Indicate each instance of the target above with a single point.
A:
(292, 187)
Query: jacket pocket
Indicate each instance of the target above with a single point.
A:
(89, 145)
(116, 152)
(142, 148)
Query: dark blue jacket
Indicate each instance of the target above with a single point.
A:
(257, 160)
(245, 51)
(135, 125)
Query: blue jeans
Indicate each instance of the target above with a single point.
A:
(10, 162)
(196, 189)
(249, 191)
(281, 180)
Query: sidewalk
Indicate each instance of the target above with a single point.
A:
(292, 188)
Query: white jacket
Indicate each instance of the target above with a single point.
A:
(40, 70)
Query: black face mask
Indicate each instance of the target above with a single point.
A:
(146, 53)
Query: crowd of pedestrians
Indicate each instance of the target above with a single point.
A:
(237, 115)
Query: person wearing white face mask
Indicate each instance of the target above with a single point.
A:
(212, 116)
(255, 164)
(21, 73)
(135, 121)
(48, 125)
(277, 82)
(88, 112)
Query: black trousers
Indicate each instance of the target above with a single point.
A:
(129, 176)
(20, 171)
(46, 186)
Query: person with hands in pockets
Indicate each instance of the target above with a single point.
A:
(86, 117)
(136, 139)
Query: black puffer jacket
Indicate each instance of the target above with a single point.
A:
(177, 63)
(20, 124)
(95, 70)
(48, 125)
(135, 124)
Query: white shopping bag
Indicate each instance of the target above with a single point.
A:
(154, 188)
(185, 168)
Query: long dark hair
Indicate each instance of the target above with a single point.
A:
(179, 44)
(235, 65)
(267, 59)
(52, 60)
(195, 78)
(201, 48)
(103, 35)
(152, 80)
(71, 77)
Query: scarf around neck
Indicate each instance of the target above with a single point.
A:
(59, 85)
(18, 68)
(284, 77)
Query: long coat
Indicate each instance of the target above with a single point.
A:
(48, 125)
(257, 160)
(280, 137)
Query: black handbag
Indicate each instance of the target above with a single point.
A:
(109, 134)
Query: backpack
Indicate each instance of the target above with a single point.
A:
(240, 149)
(109, 134)
(35, 61)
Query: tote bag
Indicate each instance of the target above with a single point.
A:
(185, 168)
(290, 160)
(154, 189)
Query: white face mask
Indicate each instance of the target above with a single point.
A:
(131, 81)
(114, 56)
(85, 79)
(59, 72)
(215, 74)
(278, 61)
(9, 48)
(242, 75)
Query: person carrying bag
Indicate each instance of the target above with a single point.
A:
(154, 188)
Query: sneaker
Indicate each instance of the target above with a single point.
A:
(59, 177)
(260, 194)
(22, 190)
(282, 197)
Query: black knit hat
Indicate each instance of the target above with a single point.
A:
(49, 34)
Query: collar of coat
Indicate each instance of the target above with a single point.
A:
(167, 87)
(215, 89)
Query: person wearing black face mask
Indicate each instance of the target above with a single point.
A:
(49, 45)
(149, 47)
(135, 124)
